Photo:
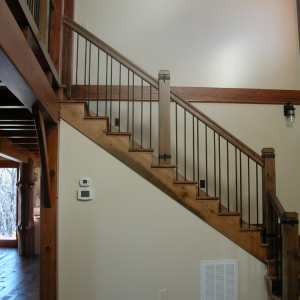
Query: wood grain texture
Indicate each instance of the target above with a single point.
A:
(163, 178)
(48, 244)
(20, 70)
(193, 94)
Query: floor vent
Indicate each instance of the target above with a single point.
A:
(219, 280)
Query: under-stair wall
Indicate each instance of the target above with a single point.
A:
(132, 240)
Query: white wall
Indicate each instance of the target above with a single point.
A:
(215, 43)
(132, 240)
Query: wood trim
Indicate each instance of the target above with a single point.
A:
(41, 135)
(20, 70)
(195, 94)
(9, 243)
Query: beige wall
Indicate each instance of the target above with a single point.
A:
(132, 240)
(216, 43)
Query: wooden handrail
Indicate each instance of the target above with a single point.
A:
(154, 82)
(277, 206)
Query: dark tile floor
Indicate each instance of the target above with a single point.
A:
(19, 277)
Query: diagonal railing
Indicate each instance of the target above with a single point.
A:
(202, 151)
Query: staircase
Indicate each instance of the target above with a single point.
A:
(230, 168)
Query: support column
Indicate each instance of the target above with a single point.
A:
(164, 118)
(25, 228)
(269, 184)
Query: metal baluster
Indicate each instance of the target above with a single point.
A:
(142, 110)
(128, 101)
(220, 181)
(206, 162)
(198, 157)
(98, 69)
(77, 66)
(249, 192)
(132, 134)
(176, 136)
(150, 116)
(106, 83)
(257, 221)
(64, 61)
(85, 70)
(194, 149)
(68, 62)
(184, 144)
(241, 189)
(228, 193)
(111, 86)
(89, 87)
(236, 182)
(120, 76)
(215, 166)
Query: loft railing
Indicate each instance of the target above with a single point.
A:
(202, 151)
(34, 7)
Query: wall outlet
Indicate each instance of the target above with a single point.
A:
(163, 295)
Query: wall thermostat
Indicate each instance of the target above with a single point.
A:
(85, 194)
(84, 182)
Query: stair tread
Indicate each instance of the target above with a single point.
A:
(164, 166)
(141, 150)
(73, 101)
(207, 198)
(118, 133)
(95, 118)
(185, 182)
(245, 227)
(229, 213)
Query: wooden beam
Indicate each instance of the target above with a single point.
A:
(13, 152)
(191, 94)
(20, 70)
(41, 135)
(48, 250)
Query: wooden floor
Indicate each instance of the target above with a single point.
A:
(19, 277)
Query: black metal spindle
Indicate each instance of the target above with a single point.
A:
(236, 181)
(68, 62)
(206, 162)
(76, 76)
(142, 111)
(65, 54)
(241, 189)
(176, 138)
(120, 85)
(128, 84)
(257, 219)
(132, 131)
(85, 69)
(98, 77)
(111, 86)
(150, 116)
(89, 87)
(215, 166)
(249, 206)
(106, 83)
(194, 149)
(228, 192)
(184, 144)
(198, 157)
(220, 183)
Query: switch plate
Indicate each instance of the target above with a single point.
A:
(163, 295)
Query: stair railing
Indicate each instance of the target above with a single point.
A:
(220, 164)
(281, 233)
(202, 151)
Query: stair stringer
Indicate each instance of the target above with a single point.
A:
(95, 128)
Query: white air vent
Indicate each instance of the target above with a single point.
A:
(219, 280)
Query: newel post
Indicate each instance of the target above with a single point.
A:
(269, 184)
(164, 118)
(290, 254)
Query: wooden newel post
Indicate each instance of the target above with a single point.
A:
(269, 184)
(25, 228)
(290, 256)
(164, 118)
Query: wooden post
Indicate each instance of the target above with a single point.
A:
(164, 118)
(269, 184)
(290, 256)
(48, 250)
(25, 228)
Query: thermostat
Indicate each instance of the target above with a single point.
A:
(85, 194)
(84, 182)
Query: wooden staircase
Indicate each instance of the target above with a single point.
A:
(143, 162)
